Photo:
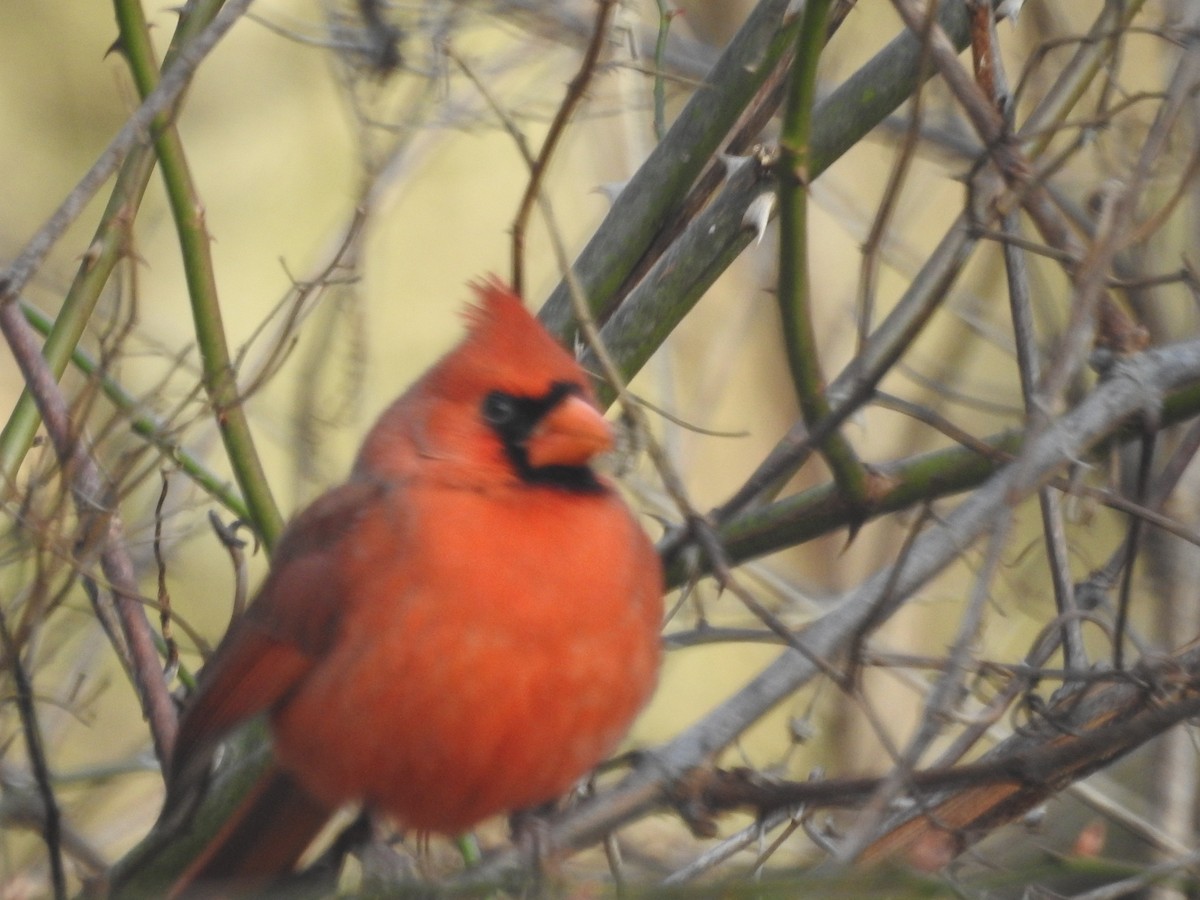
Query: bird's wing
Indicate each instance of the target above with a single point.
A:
(285, 631)
(261, 841)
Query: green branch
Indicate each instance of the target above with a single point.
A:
(147, 426)
(663, 180)
(911, 482)
(794, 291)
(109, 244)
(219, 377)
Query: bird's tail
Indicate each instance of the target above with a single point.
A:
(261, 843)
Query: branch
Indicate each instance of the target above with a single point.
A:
(174, 80)
(98, 522)
(576, 92)
(1135, 383)
(51, 820)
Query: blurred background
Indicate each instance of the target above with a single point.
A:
(304, 136)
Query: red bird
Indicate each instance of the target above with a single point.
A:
(464, 628)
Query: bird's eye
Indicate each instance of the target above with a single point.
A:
(499, 408)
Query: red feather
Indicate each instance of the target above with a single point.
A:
(464, 628)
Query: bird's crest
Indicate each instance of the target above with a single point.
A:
(510, 344)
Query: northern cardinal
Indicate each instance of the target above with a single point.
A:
(465, 627)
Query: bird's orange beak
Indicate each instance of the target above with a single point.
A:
(571, 434)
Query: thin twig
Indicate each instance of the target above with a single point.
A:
(108, 245)
(947, 693)
(576, 91)
(174, 80)
(100, 523)
(146, 425)
(1151, 373)
(164, 595)
(35, 748)
(665, 16)
(904, 157)
(994, 81)
(227, 535)
(728, 847)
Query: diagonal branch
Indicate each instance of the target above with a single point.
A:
(134, 131)
(1135, 384)
(99, 523)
